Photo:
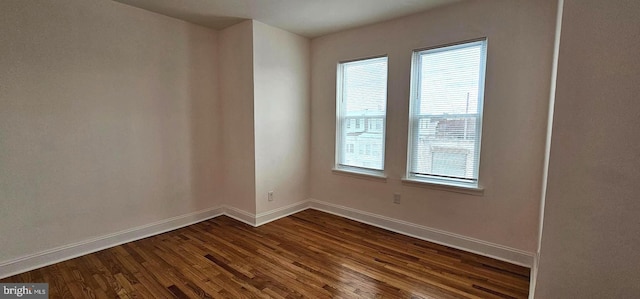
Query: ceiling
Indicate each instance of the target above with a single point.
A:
(310, 18)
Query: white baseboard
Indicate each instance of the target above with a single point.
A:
(240, 215)
(265, 217)
(534, 275)
(285, 211)
(496, 251)
(66, 252)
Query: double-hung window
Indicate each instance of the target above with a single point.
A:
(446, 114)
(361, 100)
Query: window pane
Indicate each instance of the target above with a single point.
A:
(449, 163)
(446, 113)
(449, 81)
(363, 102)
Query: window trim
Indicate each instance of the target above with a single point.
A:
(464, 189)
(452, 184)
(358, 172)
(340, 168)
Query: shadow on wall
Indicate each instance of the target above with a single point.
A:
(205, 120)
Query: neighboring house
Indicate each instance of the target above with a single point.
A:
(446, 146)
(364, 138)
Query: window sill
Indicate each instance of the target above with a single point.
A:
(476, 191)
(361, 174)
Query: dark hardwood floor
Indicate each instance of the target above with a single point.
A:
(310, 254)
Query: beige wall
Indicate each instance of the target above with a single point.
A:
(108, 121)
(520, 49)
(264, 83)
(591, 230)
(236, 94)
(281, 113)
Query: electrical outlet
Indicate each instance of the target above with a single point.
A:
(396, 198)
(270, 196)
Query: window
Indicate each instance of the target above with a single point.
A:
(361, 97)
(446, 114)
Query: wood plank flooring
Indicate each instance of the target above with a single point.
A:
(307, 255)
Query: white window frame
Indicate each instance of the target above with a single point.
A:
(414, 123)
(338, 167)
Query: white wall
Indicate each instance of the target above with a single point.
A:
(591, 229)
(281, 116)
(108, 121)
(520, 50)
(236, 94)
